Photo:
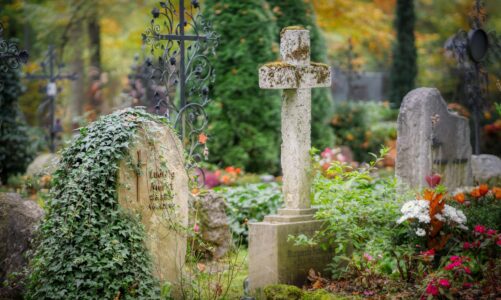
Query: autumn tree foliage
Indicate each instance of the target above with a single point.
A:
(301, 12)
(404, 67)
(244, 121)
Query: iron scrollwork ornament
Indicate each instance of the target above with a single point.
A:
(182, 41)
(473, 49)
(10, 55)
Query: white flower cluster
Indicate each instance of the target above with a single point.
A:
(454, 215)
(415, 209)
(420, 210)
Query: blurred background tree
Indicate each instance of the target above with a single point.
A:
(404, 67)
(244, 121)
(301, 12)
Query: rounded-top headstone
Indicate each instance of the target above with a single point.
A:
(158, 191)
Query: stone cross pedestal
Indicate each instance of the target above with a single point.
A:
(272, 258)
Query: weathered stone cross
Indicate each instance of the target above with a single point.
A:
(296, 76)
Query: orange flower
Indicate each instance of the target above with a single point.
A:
(480, 191)
(459, 197)
(484, 189)
(497, 192)
(238, 170)
(202, 138)
(230, 169)
(436, 206)
(225, 179)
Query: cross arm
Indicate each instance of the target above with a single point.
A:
(281, 75)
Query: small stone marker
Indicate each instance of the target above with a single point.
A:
(159, 194)
(431, 140)
(272, 258)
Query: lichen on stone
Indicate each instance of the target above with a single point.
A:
(296, 27)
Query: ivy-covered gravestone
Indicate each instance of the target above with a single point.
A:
(116, 213)
(157, 189)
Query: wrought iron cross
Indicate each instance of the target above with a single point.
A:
(52, 75)
(183, 64)
(10, 55)
(470, 50)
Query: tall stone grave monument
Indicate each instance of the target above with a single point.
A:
(158, 191)
(272, 257)
(431, 140)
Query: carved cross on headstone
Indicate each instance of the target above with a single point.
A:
(296, 76)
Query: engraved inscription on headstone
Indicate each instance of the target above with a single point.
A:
(154, 185)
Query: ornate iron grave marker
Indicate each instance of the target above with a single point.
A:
(471, 50)
(51, 71)
(182, 42)
(10, 55)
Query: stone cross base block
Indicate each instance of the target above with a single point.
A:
(273, 259)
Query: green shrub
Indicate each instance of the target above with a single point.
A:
(360, 212)
(89, 248)
(301, 12)
(363, 126)
(244, 119)
(15, 150)
(250, 203)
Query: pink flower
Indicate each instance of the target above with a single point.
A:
(432, 289)
(453, 265)
(479, 228)
(445, 283)
(196, 228)
(467, 246)
(430, 252)
(455, 258)
(467, 285)
(498, 243)
(467, 270)
(491, 232)
(326, 153)
(368, 257)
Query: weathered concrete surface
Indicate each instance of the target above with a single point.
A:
(274, 259)
(210, 211)
(486, 167)
(19, 220)
(431, 140)
(45, 163)
(159, 193)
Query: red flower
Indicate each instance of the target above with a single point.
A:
(433, 180)
(467, 270)
(498, 243)
(479, 229)
(467, 245)
(445, 283)
(430, 252)
(455, 258)
(467, 285)
(491, 232)
(432, 289)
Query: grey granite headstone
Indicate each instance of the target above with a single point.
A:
(431, 140)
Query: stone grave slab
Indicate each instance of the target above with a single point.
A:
(158, 191)
(431, 140)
